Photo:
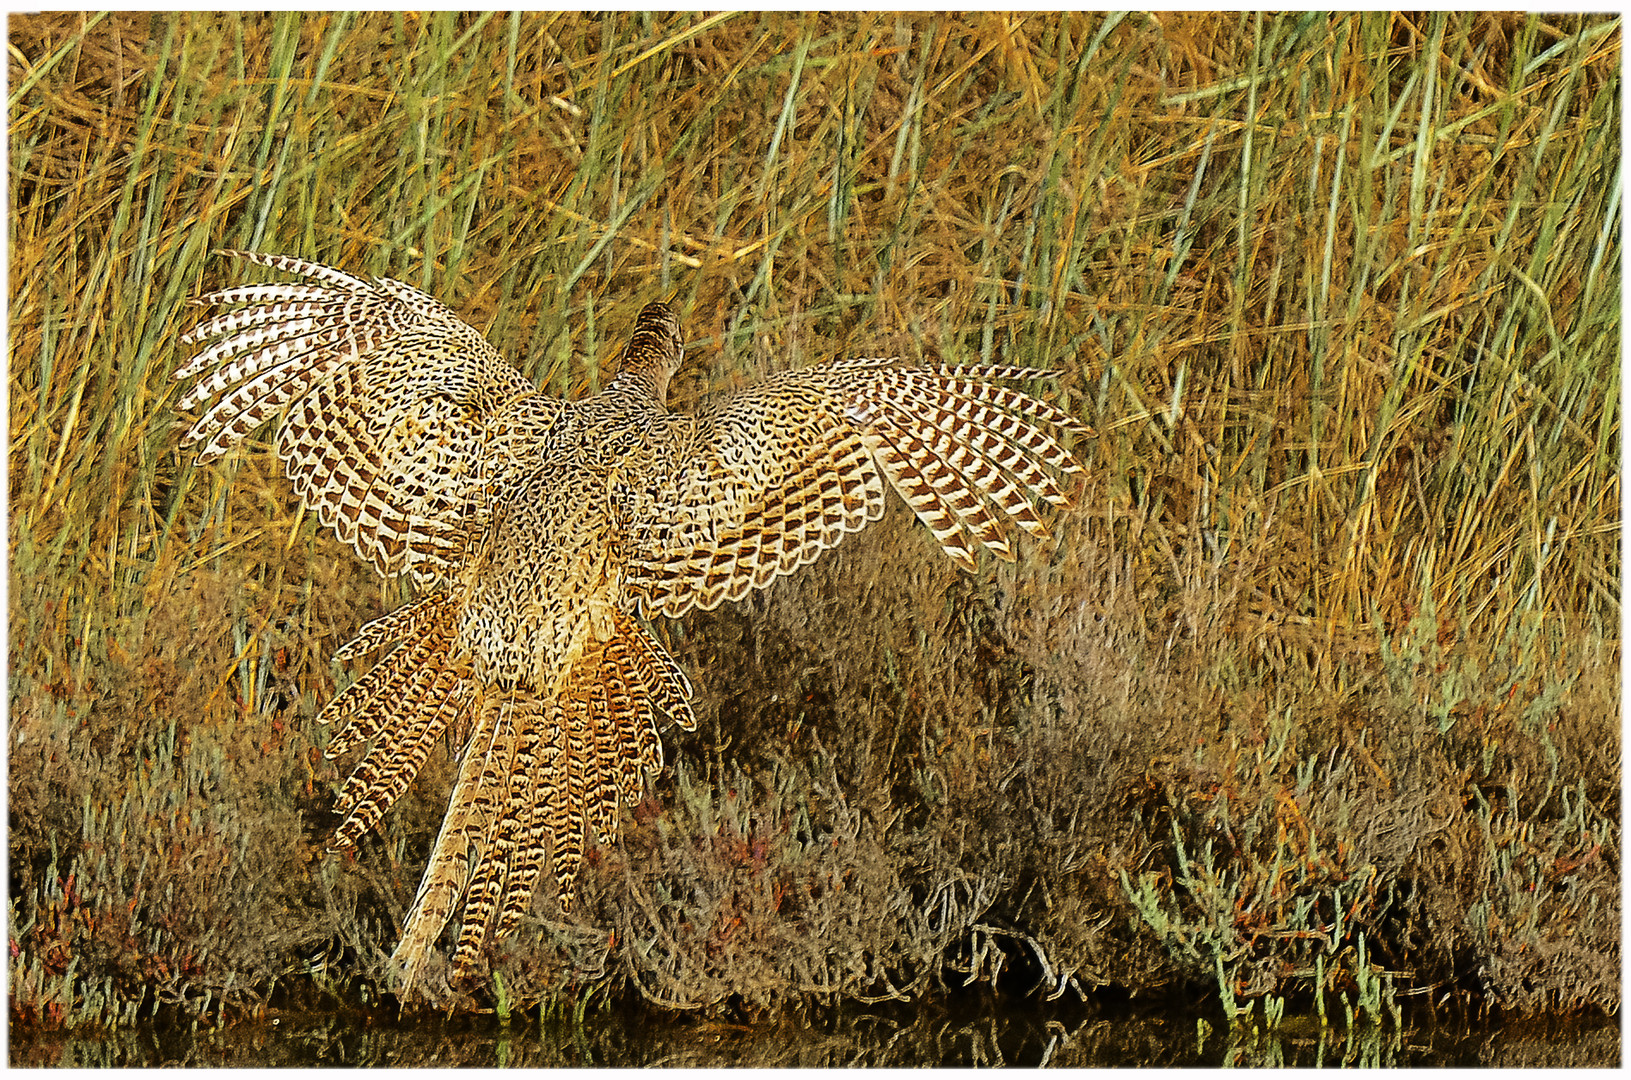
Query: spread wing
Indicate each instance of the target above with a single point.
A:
(765, 480)
(387, 396)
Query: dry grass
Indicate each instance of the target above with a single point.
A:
(1313, 705)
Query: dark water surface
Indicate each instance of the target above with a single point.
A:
(1014, 1037)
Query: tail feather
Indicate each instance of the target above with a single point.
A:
(572, 802)
(397, 625)
(657, 671)
(375, 701)
(402, 705)
(531, 826)
(467, 833)
(539, 779)
(602, 792)
(381, 778)
(493, 848)
(636, 749)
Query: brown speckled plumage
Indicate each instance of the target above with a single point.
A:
(538, 531)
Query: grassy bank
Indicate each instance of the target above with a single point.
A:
(1312, 707)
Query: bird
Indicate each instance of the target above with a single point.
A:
(542, 536)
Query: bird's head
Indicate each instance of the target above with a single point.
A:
(654, 350)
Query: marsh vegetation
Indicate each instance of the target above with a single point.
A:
(1310, 709)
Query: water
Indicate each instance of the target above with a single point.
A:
(921, 1037)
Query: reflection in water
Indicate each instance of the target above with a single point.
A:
(1015, 1036)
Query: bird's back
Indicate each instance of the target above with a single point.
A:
(547, 567)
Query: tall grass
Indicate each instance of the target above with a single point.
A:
(1315, 698)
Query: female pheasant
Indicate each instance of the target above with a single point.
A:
(540, 531)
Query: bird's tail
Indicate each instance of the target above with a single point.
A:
(401, 706)
(536, 773)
